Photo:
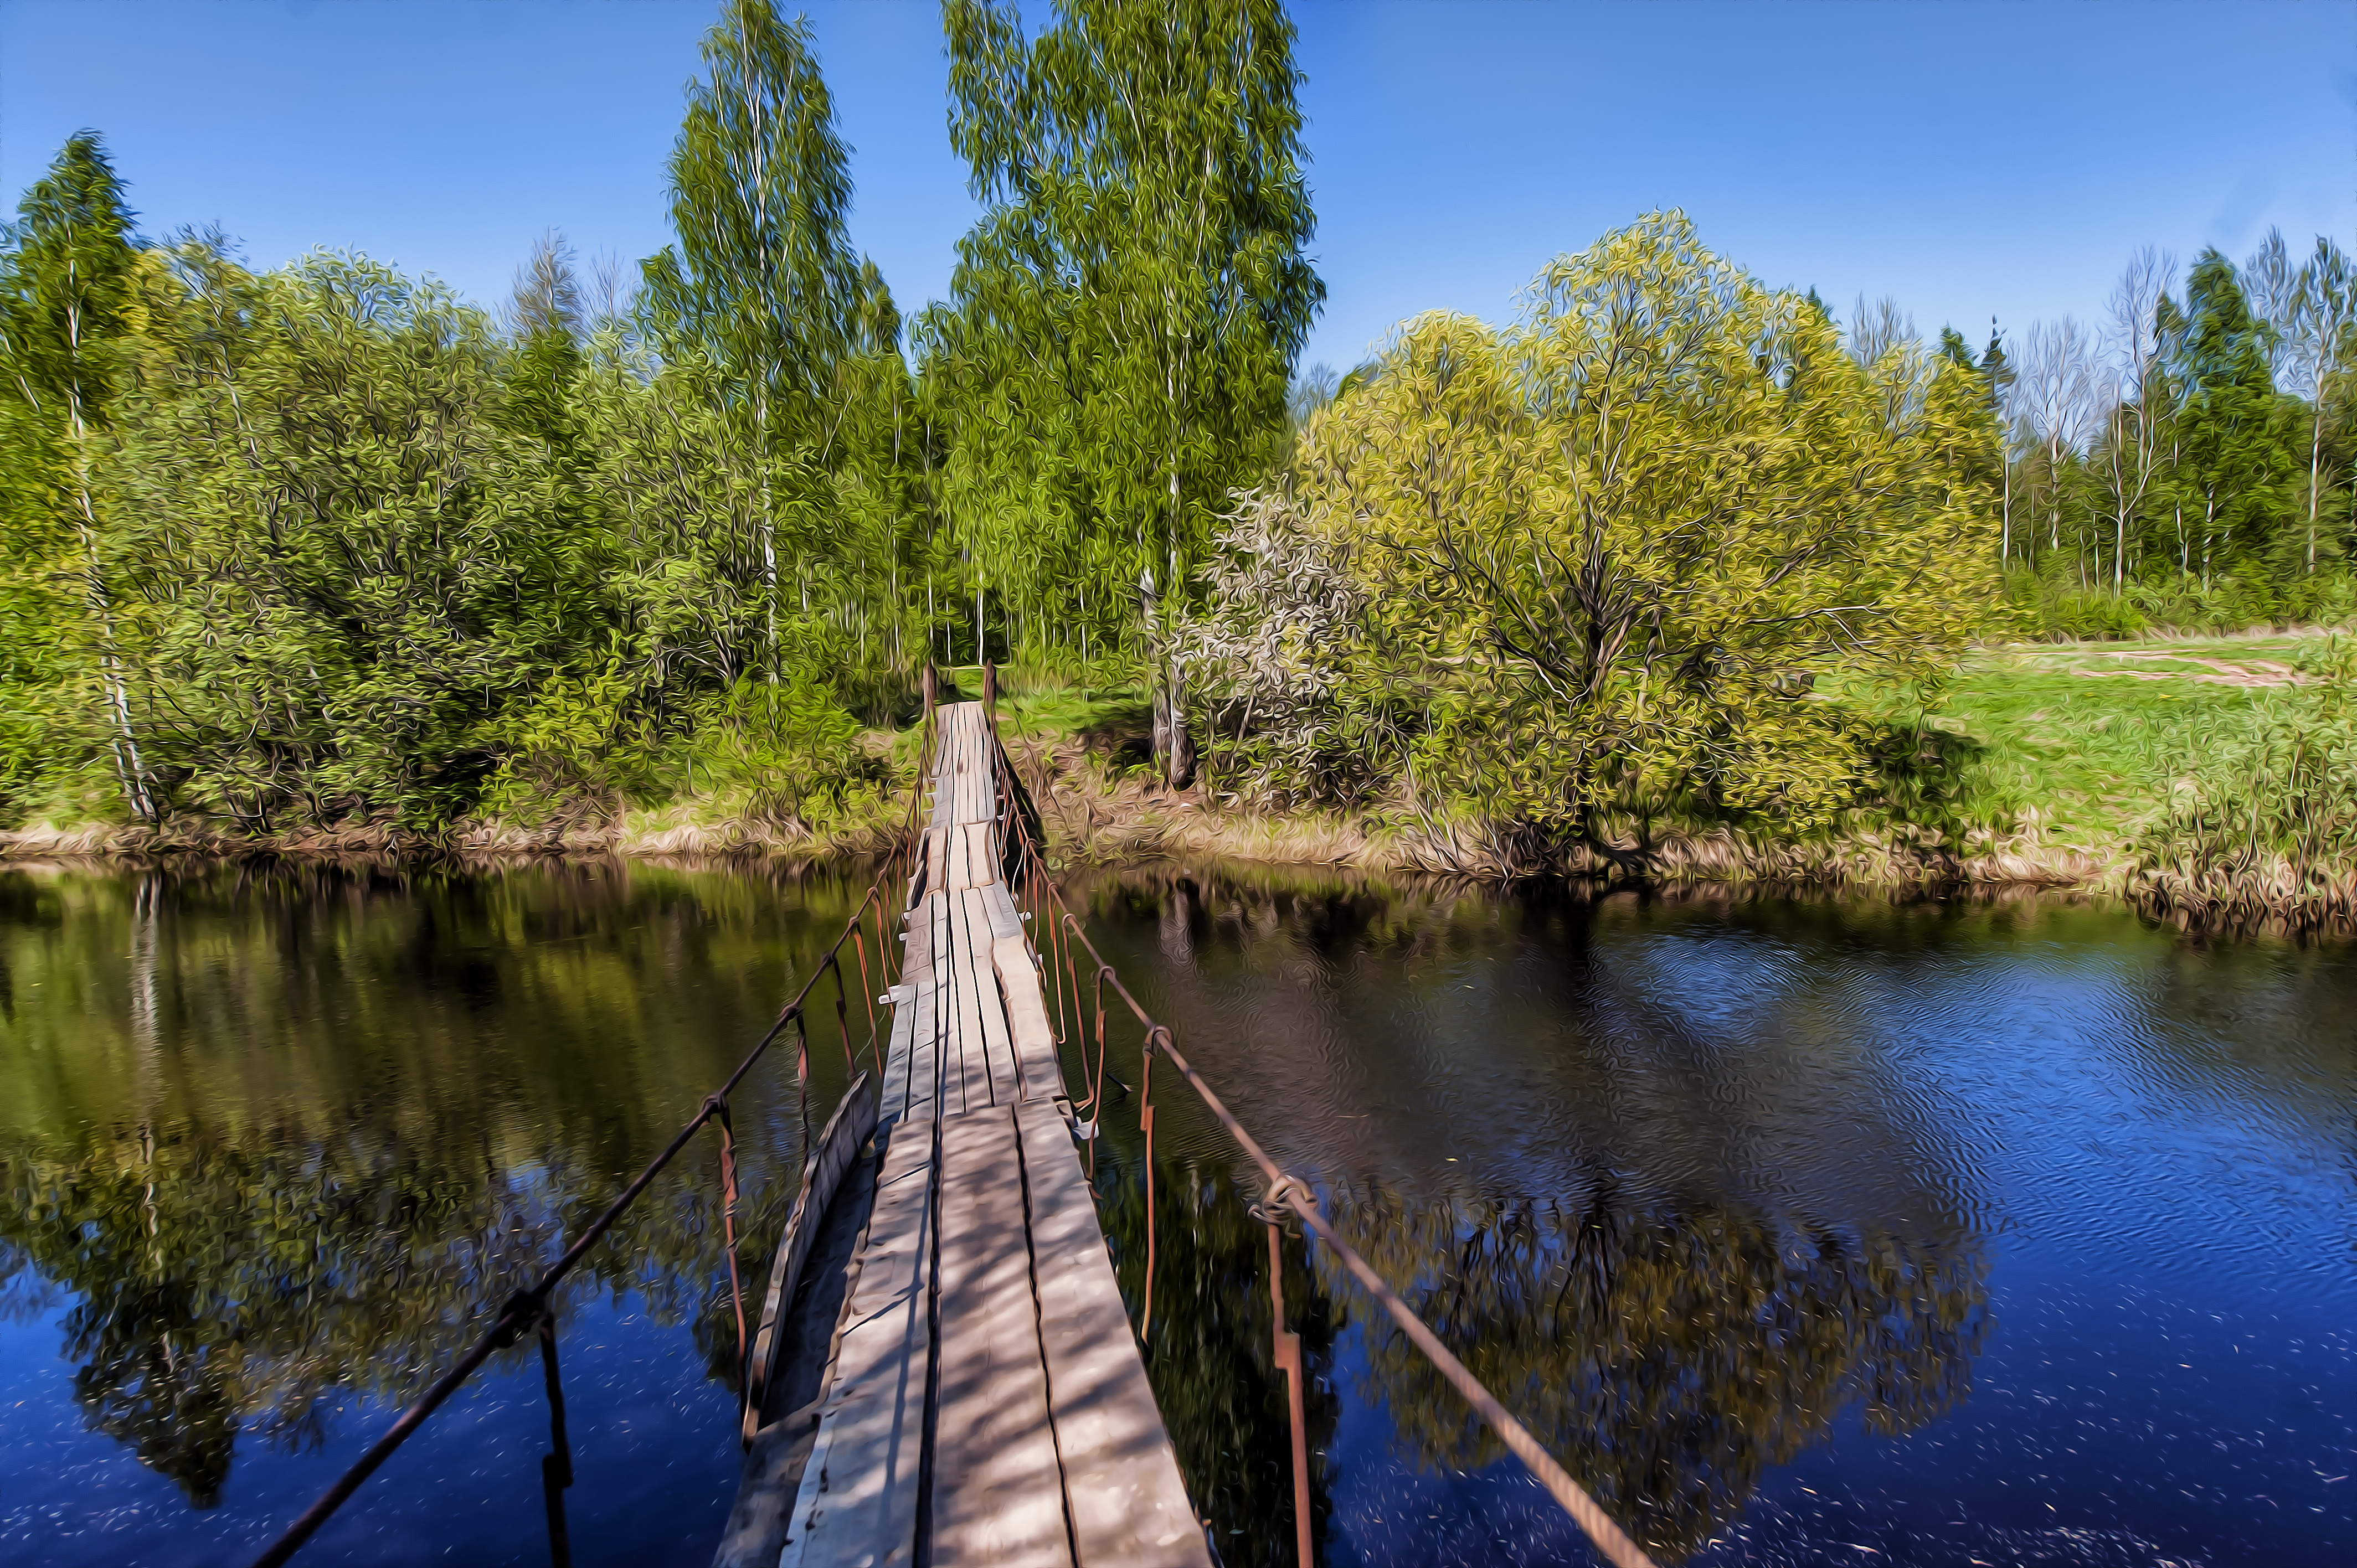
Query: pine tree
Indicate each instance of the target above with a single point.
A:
(2237, 437)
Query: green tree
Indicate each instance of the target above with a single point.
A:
(68, 300)
(1599, 555)
(1123, 319)
(2237, 460)
(327, 603)
(763, 278)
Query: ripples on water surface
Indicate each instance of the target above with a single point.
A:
(1803, 1231)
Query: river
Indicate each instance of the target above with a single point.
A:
(1803, 1229)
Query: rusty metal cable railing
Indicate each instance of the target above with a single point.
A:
(1288, 1193)
(528, 1312)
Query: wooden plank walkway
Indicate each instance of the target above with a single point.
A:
(983, 1401)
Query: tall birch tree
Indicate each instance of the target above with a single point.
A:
(1129, 308)
(2132, 448)
(65, 305)
(763, 278)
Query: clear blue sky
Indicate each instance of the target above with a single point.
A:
(1968, 159)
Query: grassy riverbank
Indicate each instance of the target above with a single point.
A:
(2212, 776)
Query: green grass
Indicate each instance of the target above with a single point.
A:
(2209, 772)
(2096, 756)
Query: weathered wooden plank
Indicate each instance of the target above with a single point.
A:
(838, 1145)
(980, 802)
(924, 1096)
(944, 771)
(953, 762)
(1005, 1071)
(952, 858)
(1042, 1074)
(938, 869)
(908, 1011)
(1127, 1502)
(857, 1501)
(1005, 920)
(949, 1074)
(997, 1492)
(949, 1009)
(980, 869)
(978, 1015)
(892, 1102)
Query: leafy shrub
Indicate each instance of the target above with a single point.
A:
(2263, 822)
(787, 745)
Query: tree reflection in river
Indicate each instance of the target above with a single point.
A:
(285, 1136)
(1668, 1355)
(1711, 1189)
(1669, 1330)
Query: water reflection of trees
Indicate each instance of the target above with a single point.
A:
(1209, 1354)
(275, 1141)
(213, 1290)
(1667, 1353)
(1726, 1220)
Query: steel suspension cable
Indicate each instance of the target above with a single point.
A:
(523, 1312)
(1290, 1192)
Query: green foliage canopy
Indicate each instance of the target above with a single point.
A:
(1600, 553)
(1123, 321)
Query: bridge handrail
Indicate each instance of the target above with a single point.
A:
(523, 1312)
(1293, 1194)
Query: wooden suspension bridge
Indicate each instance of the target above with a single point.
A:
(941, 1370)
(980, 1398)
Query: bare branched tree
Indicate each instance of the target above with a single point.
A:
(1282, 621)
(547, 295)
(2135, 344)
(2275, 283)
(610, 293)
(2062, 401)
(1878, 328)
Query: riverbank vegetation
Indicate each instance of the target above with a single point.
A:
(1671, 573)
(2208, 778)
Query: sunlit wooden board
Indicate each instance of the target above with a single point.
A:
(1033, 1040)
(909, 998)
(997, 1494)
(1122, 1486)
(1004, 1078)
(858, 1502)
(1005, 919)
(972, 1059)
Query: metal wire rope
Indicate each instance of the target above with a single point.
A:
(527, 1311)
(1288, 1191)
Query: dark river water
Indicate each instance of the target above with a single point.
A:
(1803, 1231)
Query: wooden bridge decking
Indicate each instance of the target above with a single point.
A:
(982, 1399)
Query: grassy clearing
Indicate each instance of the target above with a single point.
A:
(2211, 775)
(2083, 746)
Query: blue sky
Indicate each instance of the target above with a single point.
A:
(1969, 159)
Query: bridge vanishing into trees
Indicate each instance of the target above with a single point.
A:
(943, 1369)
